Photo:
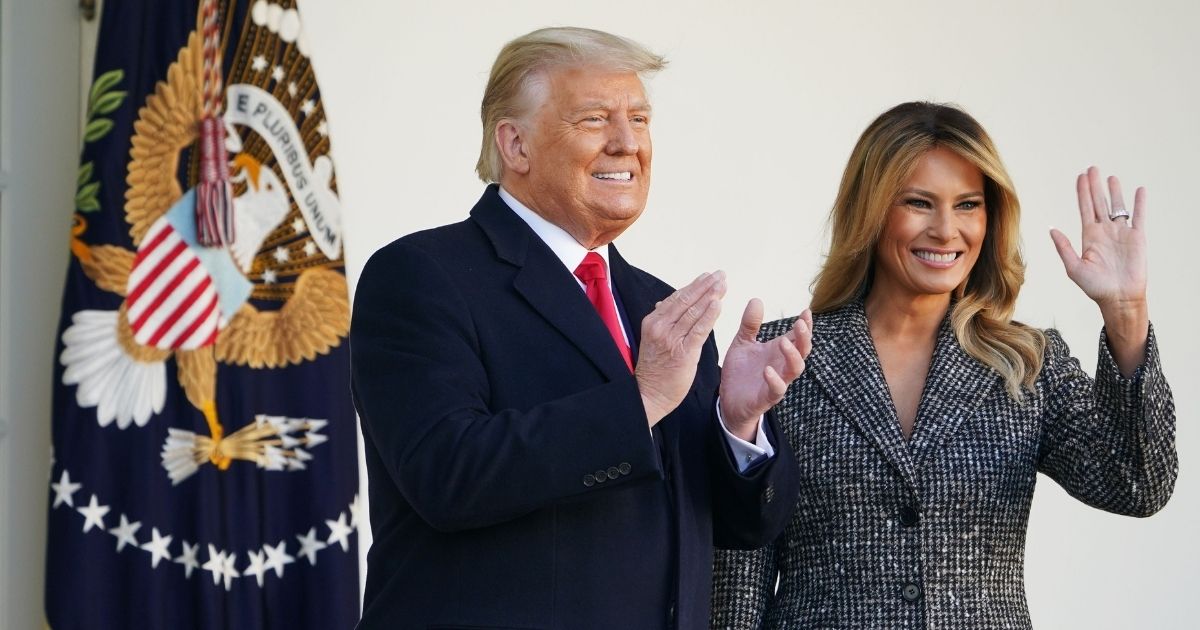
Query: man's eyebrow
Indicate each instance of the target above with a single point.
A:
(640, 106)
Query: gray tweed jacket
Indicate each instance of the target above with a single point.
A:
(930, 533)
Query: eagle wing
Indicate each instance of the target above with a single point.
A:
(312, 322)
(166, 124)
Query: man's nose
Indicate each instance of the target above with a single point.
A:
(622, 140)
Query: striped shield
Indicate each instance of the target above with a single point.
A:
(172, 299)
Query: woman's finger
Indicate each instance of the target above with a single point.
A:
(1118, 199)
(1099, 201)
(1065, 250)
(1086, 213)
(1139, 208)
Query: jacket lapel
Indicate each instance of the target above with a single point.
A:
(844, 362)
(547, 285)
(957, 384)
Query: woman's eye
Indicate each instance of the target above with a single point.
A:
(917, 203)
(969, 205)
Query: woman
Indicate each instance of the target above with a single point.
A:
(925, 412)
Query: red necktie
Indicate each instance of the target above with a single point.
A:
(592, 273)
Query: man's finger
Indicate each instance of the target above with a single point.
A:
(793, 362)
(776, 386)
(752, 318)
(672, 308)
(693, 337)
(802, 336)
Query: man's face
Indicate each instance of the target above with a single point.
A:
(589, 151)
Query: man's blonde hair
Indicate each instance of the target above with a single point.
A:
(525, 58)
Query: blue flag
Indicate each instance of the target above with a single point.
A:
(205, 471)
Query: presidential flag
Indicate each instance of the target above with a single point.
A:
(205, 471)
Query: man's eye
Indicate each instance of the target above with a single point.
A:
(595, 119)
(639, 120)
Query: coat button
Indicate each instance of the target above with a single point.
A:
(911, 592)
(624, 468)
(909, 516)
(589, 480)
(600, 476)
(613, 473)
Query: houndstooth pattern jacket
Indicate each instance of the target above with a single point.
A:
(930, 533)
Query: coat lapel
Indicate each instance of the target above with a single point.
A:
(547, 285)
(957, 384)
(844, 362)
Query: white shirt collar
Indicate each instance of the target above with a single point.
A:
(568, 250)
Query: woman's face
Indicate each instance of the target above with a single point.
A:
(935, 228)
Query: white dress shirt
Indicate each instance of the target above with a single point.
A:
(571, 253)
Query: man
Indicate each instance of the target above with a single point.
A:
(542, 438)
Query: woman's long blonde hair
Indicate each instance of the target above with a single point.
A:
(981, 313)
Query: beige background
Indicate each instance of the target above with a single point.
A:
(754, 120)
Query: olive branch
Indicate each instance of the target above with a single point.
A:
(102, 100)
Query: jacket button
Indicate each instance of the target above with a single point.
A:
(589, 480)
(613, 473)
(911, 592)
(624, 468)
(909, 516)
(600, 476)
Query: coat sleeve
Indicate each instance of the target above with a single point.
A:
(743, 587)
(1110, 442)
(422, 392)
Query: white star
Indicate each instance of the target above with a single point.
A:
(259, 63)
(323, 128)
(298, 226)
(93, 514)
(188, 558)
(292, 89)
(269, 276)
(256, 567)
(310, 248)
(338, 531)
(277, 74)
(64, 489)
(308, 107)
(159, 547)
(228, 570)
(281, 254)
(125, 533)
(309, 545)
(215, 564)
(277, 558)
(356, 511)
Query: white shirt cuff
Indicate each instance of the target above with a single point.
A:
(745, 453)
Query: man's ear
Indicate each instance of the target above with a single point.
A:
(511, 140)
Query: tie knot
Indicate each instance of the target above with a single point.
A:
(591, 269)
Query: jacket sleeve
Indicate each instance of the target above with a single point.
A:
(743, 587)
(1110, 442)
(422, 392)
(751, 508)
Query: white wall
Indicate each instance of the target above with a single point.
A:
(754, 120)
(39, 155)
